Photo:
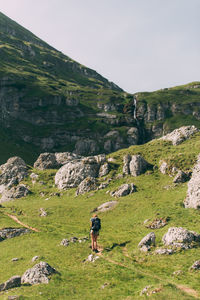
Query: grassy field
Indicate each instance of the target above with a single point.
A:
(122, 268)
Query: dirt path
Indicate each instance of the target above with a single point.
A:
(185, 289)
(19, 222)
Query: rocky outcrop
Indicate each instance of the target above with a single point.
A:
(157, 223)
(38, 274)
(12, 172)
(54, 160)
(181, 177)
(15, 192)
(134, 165)
(124, 190)
(74, 172)
(179, 237)
(193, 193)
(180, 135)
(148, 241)
(8, 233)
(11, 283)
(87, 185)
(106, 206)
(104, 170)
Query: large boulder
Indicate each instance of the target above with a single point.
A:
(12, 172)
(15, 192)
(179, 237)
(54, 160)
(73, 173)
(38, 274)
(193, 193)
(87, 185)
(180, 135)
(134, 165)
(148, 241)
(124, 190)
(8, 233)
(11, 283)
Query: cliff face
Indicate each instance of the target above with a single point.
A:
(49, 102)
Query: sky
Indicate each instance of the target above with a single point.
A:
(140, 45)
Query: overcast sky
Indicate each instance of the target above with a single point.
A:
(141, 45)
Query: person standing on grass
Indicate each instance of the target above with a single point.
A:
(94, 231)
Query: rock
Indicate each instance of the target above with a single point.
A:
(35, 258)
(34, 176)
(87, 185)
(105, 285)
(196, 265)
(12, 172)
(8, 233)
(54, 160)
(179, 237)
(177, 273)
(106, 206)
(74, 172)
(163, 167)
(193, 193)
(11, 283)
(145, 290)
(14, 259)
(64, 242)
(85, 146)
(180, 135)
(38, 274)
(124, 190)
(73, 239)
(126, 166)
(132, 136)
(138, 165)
(43, 213)
(148, 241)
(104, 170)
(92, 258)
(15, 192)
(164, 251)
(181, 177)
(158, 223)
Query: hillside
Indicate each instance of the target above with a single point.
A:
(122, 270)
(51, 103)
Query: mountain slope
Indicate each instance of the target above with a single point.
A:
(122, 271)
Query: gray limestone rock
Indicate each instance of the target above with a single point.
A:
(138, 165)
(106, 206)
(181, 177)
(124, 190)
(54, 160)
(196, 265)
(42, 212)
(38, 274)
(126, 166)
(104, 170)
(15, 192)
(179, 237)
(64, 242)
(163, 167)
(158, 223)
(180, 135)
(164, 251)
(11, 283)
(12, 172)
(8, 233)
(73, 173)
(87, 185)
(193, 193)
(148, 241)
(92, 258)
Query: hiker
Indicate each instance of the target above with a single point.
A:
(94, 231)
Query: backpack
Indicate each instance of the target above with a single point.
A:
(96, 224)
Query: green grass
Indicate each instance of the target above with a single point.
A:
(122, 229)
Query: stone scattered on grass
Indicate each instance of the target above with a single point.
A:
(148, 241)
(181, 177)
(164, 251)
(14, 259)
(42, 212)
(38, 274)
(105, 206)
(179, 237)
(11, 283)
(157, 223)
(134, 165)
(196, 265)
(124, 190)
(92, 258)
(193, 193)
(74, 239)
(8, 233)
(35, 258)
(177, 273)
(64, 242)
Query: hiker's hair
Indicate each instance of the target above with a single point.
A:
(95, 216)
